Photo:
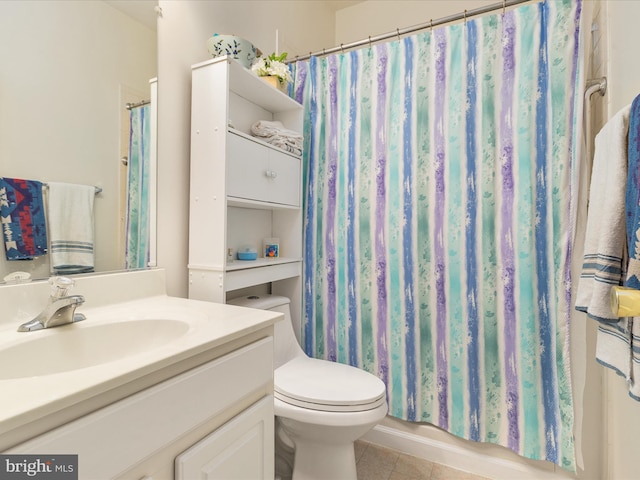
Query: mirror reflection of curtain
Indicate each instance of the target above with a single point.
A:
(137, 221)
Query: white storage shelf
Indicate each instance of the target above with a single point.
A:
(248, 86)
(229, 169)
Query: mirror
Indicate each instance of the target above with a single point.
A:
(68, 70)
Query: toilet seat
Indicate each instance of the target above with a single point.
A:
(327, 386)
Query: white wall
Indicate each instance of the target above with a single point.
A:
(183, 30)
(375, 17)
(62, 67)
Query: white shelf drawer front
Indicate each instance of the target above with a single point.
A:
(261, 273)
(257, 172)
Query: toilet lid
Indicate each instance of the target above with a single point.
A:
(328, 386)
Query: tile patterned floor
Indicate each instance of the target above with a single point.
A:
(377, 463)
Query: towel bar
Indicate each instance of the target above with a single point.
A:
(98, 189)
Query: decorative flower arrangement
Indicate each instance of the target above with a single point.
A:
(273, 66)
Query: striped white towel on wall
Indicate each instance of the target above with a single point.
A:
(70, 223)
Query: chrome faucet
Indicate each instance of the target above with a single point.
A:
(60, 309)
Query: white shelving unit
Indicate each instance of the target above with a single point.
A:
(242, 189)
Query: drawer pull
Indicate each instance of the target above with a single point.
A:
(270, 174)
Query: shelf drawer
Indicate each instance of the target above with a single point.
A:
(261, 173)
(261, 273)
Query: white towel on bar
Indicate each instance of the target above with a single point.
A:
(605, 237)
(605, 256)
(70, 221)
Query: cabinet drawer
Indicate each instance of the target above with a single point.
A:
(258, 172)
(262, 272)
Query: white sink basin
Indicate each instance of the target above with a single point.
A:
(82, 345)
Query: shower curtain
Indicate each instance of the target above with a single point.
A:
(438, 222)
(137, 222)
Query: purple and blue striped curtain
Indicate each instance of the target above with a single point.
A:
(437, 222)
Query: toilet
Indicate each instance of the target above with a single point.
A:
(321, 407)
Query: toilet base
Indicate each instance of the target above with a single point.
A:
(311, 461)
(324, 441)
(284, 453)
(322, 452)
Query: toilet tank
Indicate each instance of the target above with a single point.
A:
(286, 346)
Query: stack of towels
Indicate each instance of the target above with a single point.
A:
(275, 133)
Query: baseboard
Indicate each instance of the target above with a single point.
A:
(461, 458)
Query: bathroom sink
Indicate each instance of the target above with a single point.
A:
(77, 346)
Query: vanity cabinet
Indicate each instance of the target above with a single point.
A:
(217, 418)
(242, 189)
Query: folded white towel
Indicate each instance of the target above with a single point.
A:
(275, 133)
(70, 220)
(605, 237)
(269, 128)
(284, 144)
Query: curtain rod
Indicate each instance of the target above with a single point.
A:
(404, 31)
(130, 106)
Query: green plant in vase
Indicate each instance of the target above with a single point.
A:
(274, 67)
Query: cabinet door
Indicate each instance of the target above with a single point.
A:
(258, 172)
(240, 449)
(247, 169)
(285, 176)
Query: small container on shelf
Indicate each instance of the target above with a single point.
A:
(247, 253)
(271, 247)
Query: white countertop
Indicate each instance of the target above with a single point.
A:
(32, 405)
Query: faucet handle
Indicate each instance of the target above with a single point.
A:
(60, 286)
